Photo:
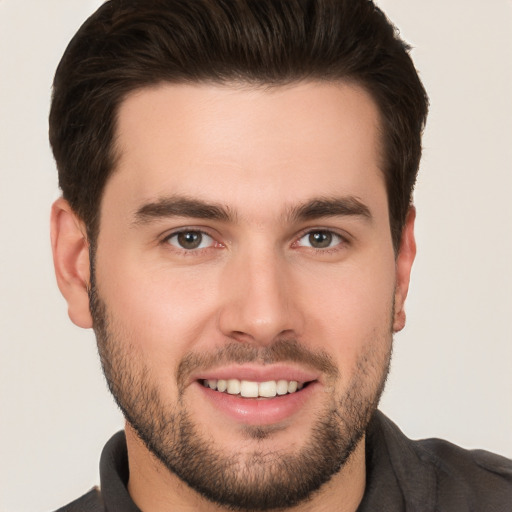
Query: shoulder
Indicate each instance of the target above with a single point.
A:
(434, 474)
(480, 476)
(90, 502)
(474, 461)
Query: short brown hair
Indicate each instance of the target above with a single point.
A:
(130, 44)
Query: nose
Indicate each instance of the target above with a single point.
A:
(260, 300)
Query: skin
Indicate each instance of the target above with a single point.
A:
(253, 152)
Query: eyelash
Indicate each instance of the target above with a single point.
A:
(343, 241)
(183, 250)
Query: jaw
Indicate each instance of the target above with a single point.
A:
(221, 458)
(150, 478)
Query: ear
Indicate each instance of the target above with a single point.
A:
(71, 261)
(404, 261)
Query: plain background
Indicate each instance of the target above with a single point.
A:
(452, 368)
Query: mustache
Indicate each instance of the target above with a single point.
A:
(280, 351)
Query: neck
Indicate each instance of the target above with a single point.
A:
(154, 488)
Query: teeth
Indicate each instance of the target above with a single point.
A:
(268, 389)
(252, 389)
(282, 387)
(292, 386)
(233, 386)
(249, 389)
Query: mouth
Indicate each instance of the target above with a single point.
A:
(253, 395)
(254, 389)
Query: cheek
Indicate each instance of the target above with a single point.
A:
(161, 311)
(351, 309)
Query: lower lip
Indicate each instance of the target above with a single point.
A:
(259, 411)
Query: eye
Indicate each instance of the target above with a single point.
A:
(320, 239)
(190, 240)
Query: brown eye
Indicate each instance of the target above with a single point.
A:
(320, 239)
(190, 240)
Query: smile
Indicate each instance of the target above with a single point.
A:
(256, 395)
(253, 389)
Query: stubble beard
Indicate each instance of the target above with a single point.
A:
(259, 480)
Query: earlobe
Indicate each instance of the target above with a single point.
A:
(70, 249)
(404, 261)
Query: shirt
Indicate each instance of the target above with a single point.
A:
(430, 475)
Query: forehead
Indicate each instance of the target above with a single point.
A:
(231, 143)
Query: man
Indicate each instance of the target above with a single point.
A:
(237, 227)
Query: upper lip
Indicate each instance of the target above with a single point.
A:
(257, 373)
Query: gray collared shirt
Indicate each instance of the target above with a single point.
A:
(431, 475)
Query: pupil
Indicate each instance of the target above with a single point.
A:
(320, 239)
(190, 239)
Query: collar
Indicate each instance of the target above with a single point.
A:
(397, 476)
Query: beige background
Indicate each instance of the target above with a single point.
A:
(452, 369)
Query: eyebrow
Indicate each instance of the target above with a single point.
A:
(180, 206)
(330, 207)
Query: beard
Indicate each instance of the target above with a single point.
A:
(261, 479)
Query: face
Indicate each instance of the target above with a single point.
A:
(246, 287)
